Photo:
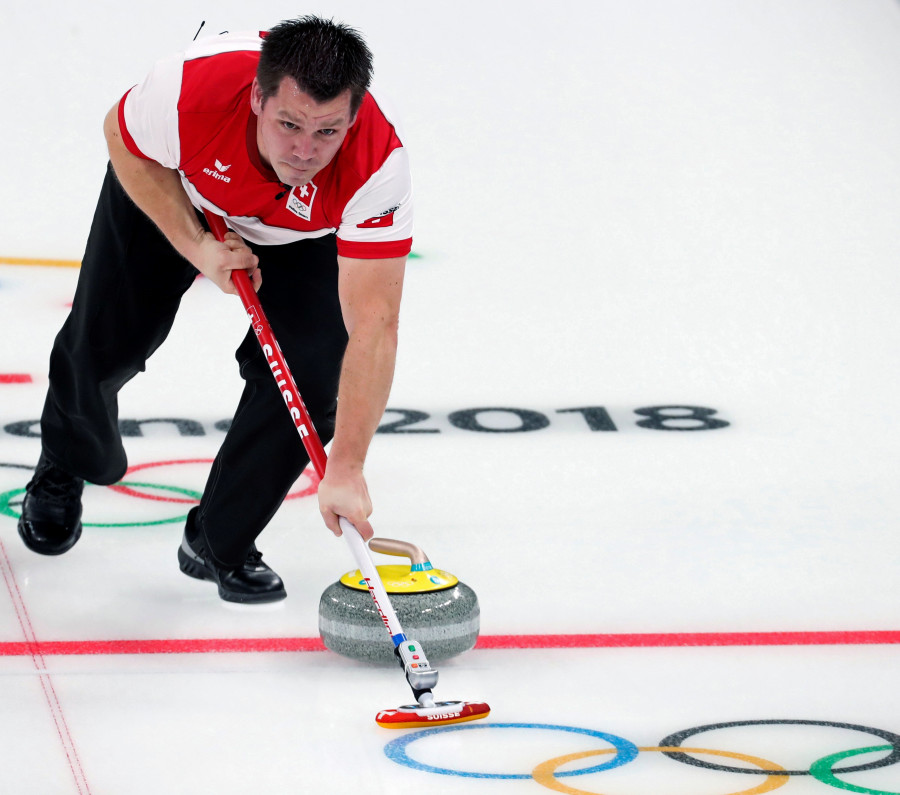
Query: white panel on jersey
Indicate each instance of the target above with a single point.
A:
(251, 228)
(388, 190)
(224, 42)
(150, 109)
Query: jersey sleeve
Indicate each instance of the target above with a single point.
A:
(378, 220)
(148, 114)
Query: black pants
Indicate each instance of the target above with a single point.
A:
(129, 289)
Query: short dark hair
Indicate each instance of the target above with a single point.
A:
(324, 57)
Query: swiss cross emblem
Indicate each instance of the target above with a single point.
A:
(300, 200)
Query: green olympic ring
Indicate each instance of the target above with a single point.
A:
(823, 770)
(7, 497)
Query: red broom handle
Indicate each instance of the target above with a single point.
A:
(275, 358)
(308, 434)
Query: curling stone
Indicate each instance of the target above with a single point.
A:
(432, 605)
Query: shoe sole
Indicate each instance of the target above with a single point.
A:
(200, 572)
(192, 568)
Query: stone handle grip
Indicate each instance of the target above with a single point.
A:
(403, 549)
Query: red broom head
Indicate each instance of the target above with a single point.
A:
(441, 714)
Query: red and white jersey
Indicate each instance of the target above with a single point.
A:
(192, 113)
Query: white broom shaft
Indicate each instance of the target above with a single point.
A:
(370, 573)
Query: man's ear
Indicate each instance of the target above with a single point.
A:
(256, 97)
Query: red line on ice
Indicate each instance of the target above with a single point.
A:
(675, 639)
(632, 640)
(32, 647)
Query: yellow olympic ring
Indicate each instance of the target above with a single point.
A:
(543, 773)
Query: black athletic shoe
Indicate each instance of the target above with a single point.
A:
(253, 582)
(50, 523)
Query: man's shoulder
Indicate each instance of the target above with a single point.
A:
(371, 140)
(217, 73)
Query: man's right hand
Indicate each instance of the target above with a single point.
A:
(158, 191)
(216, 260)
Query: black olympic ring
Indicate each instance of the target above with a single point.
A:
(677, 738)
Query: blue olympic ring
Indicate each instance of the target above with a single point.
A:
(396, 750)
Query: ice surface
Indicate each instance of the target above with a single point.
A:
(621, 206)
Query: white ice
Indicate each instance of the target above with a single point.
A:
(619, 206)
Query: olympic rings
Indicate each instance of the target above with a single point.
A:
(677, 738)
(823, 770)
(545, 773)
(395, 750)
(193, 498)
(625, 751)
(129, 490)
(308, 490)
(125, 488)
(7, 497)
(9, 503)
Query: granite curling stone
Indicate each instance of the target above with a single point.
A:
(432, 605)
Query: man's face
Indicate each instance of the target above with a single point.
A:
(297, 136)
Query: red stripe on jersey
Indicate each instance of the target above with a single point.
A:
(380, 250)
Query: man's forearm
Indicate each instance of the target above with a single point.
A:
(158, 192)
(366, 377)
(370, 292)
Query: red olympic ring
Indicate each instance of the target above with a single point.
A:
(307, 491)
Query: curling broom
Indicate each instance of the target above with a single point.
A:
(419, 674)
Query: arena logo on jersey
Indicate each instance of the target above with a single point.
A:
(383, 219)
(218, 172)
(300, 200)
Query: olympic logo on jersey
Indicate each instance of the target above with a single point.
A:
(616, 752)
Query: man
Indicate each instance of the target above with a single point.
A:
(278, 133)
